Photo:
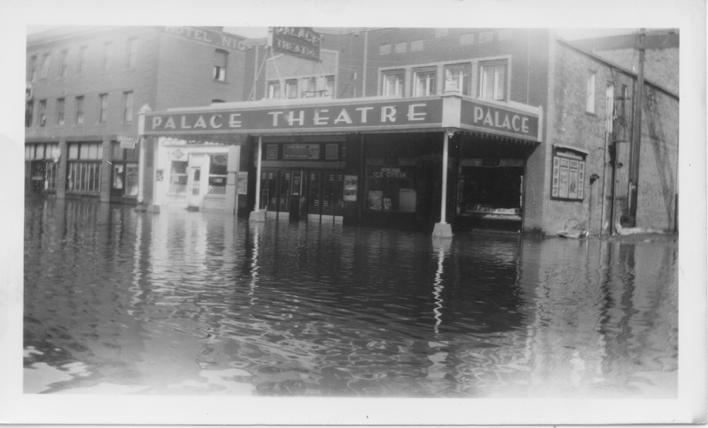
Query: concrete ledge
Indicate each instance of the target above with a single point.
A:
(442, 230)
(257, 216)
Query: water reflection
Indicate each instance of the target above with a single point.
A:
(189, 302)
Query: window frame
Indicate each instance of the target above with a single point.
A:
(219, 72)
(211, 187)
(61, 111)
(429, 82)
(128, 106)
(385, 85)
(493, 64)
(102, 107)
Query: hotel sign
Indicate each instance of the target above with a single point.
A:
(297, 41)
(498, 119)
(210, 37)
(381, 115)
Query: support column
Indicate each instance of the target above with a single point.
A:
(232, 163)
(106, 169)
(258, 215)
(443, 229)
(60, 181)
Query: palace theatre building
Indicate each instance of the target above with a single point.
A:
(377, 161)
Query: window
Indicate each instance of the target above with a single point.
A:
(79, 109)
(590, 93)
(102, 108)
(107, 46)
(401, 47)
(46, 60)
(60, 111)
(568, 175)
(29, 113)
(385, 49)
(84, 167)
(32, 68)
(391, 188)
(124, 178)
(416, 45)
(393, 83)
(291, 88)
(81, 57)
(424, 82)
(178, 177)
(62, 63)
(273, 89)
(307, 87)
(219, 71)
(457, 78)
(42, 112)
(131, 52)
(127, 106)
(329, 85)
(217, 174)
(493, 80)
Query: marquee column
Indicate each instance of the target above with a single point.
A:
(443, 229)
(258, 215)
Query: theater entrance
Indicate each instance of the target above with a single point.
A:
(302, 194)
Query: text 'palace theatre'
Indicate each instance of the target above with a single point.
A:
(419, 128)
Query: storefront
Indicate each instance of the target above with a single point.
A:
(375, 161)
(41, 160)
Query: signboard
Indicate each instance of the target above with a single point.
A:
(301, 151)
(127, 142)
(499, 120)
(374, 115)
(209, 37)
(302, 42)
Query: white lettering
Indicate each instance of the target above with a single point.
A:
(488, 119)
(156, 122)
(319, 119)
(183, 123)
(478, 114)
(515, 122)
(506, 122)
(300, 119)
(525, 125)
(415, 116)
(343, 116)
(200, 123)
(213, 122)
(170, 123)
(388, 113)
(363, 111)
(235, 120)
(275, 115)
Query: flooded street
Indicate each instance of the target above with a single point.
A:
(190, 302)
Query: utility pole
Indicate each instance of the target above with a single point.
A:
(636, 131)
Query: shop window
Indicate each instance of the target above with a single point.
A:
(391, 188)
(220, 61)
(291, 88)
(102, 108)
(79, 109)
(32, 68)
(273, 89)
(568, 175)
(590, 93)
(127, 106)
(457, 78)
(217, 174)
(424, 82)
(393, 83)
(84, 167)
(44, 71)
(178, 177)
(493, 80)
(80, 59)
(62, 62)
(131, 52)
(60, 111)
(29, 113)
(42, 112)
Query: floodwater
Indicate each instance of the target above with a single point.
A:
(180, 302)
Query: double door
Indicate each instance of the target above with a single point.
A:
(302, 193)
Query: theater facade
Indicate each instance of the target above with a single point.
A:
(403, 162)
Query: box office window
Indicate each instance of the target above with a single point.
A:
(568, 175)
(178, 177)
(391, 188)
(493, 80)
(217, 174)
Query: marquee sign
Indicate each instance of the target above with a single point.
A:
(499, 120)
(380, 115)
(302, 42)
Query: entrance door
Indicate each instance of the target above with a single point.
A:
(297, 196)
(324, 194)
(194, 185)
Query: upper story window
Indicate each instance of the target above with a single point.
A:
(107, 47)
(329, 85)
(493, 80)
(127, 106)
(131, 50)
(79, 109)
(60, 111)
(102, 108)
(42, 114)
(424, 82)
(291, 88)
(401, 47)
(29, 113)
(392, 83)
(457, 78)
(307, 87)
(385, 49)
(32, 68)
(273, 90)
(62, 62)
(80, 59)
(46, 60)
(590, 93)
(220, 60)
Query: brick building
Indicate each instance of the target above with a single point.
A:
(86, 86)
